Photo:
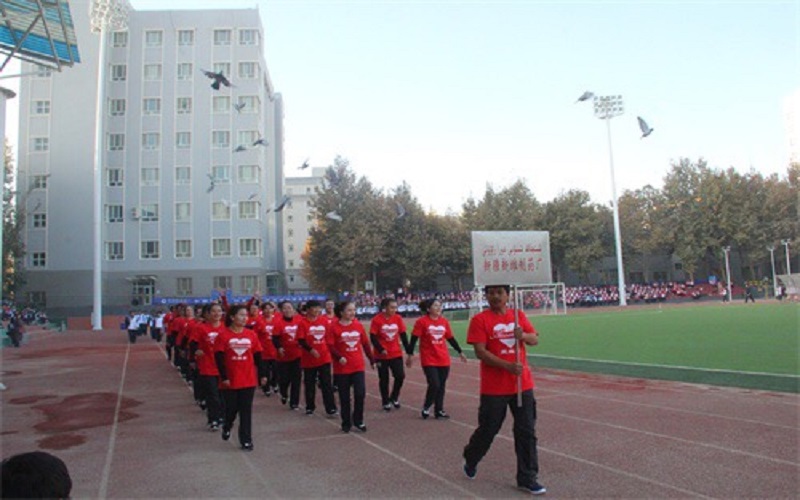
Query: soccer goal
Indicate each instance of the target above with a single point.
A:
(547, 298)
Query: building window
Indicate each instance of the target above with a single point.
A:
(119, 39)
(220, 210)
(249, 284)
(679, 266)
(248, 37)
(222, 67)
(149, 212)
(250, 247)
(290, 247)
(116, 142)
(184, 71)
(114, 250)
(183, 287)
(183, 140)
(151, 249)
(40, 144)
(151, 106)
(290, 218)
(248, 174)
(183, 211)
(113, 213)
(183, 249)
(290, 232)
(114, 177)
(40, 107)
(153, 38)
(39, 221)
(248, 70)
(248, 210)
(151, 140)
(291, 263)
(152, 72)
(116, 107)
(222, 37)
(220, 139)
(247, 137)
(222, 282)
(249, 103)
(43, 72)
(39, 181)
(183, 105)
(183, 175)
(38, 259)
(119, 72)
(221, 104)
(221, 247)
(221, 173)
(185, 38)
(150, 176)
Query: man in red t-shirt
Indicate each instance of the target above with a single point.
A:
(496, 341)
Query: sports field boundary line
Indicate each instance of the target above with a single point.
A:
(112, 440)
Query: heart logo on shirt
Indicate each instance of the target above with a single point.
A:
(239, 346)
(389, 331)
(437, 332)
(351, 339)
(212, 336)
(318, 332)
(291, 331)
(504, 332)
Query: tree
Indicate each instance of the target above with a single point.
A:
(514, 208)
(13, 223)
(638, 215)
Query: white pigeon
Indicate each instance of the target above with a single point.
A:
(334, 216)
(645, 128)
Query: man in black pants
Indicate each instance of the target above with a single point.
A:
(496, 341)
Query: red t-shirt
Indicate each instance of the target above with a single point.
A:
(166, 321)
(185, 328)
(239, 349)
(315, 333)
(177, 324)
(206, 336)
(497, 332)
(388, 331)
(433, 335)
(350, 341)
(287, 333)
(264, 332)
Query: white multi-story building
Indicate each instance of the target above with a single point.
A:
(183, 212)
(299, 218)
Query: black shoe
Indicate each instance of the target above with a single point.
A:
(309, 412)
(396, 404)
(267, 392)
(345, 428)
(294, 407)
(361, 427)
(425, 413)
(332, 413)
(442, 414)
(226, 434)
(247, 446)
(534, 488)
(213, 426)
(387, 407)
(470, 471)
(284, 399)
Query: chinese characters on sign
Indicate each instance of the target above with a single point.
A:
(511, 257)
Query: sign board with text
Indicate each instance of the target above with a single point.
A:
(511, 257)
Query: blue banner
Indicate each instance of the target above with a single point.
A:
(235, 299)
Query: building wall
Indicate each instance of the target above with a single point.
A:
(299, 219)
(152, 172)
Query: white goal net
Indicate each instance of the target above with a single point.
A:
(547, 298)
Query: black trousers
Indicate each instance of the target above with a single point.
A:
(132, 334)
(344, 383)
(171, 348)
(289, 375)
(491, 414)
(268, 368)
(239, 402)
(310, 376)
(437, 382)
(209, 388)
(395, 366)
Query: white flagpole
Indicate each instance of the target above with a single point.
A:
(519, 347)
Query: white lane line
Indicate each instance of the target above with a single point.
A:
(112, 440)
(259, 474)
(312, 439)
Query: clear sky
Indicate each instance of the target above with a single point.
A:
(452, 95)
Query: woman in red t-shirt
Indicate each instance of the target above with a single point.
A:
(348, 343)
(267, 328)
(316, 359)
(237, 353)
(202, 345)
(432, 330)
(386, 330)
(288, 360)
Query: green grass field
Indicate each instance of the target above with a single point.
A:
(753, 346)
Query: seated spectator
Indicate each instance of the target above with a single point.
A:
(36, 474)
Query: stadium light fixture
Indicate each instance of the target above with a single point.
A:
(105, 15)
(727, 251)
(606, 108)
(771, 250)
(785, 244)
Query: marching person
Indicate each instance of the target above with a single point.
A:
(316, 359)
(432, 330)
(237, 353)
(267, 328)
(386, 330)
(208, 375)
(495, 340)
(288, 360)
(348, 344)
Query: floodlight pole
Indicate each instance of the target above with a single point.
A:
(785, 243)
(771, 250)
(727, 251)
(606, 108)
(105, 15)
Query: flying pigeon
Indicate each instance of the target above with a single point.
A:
(240, 148)
(585, 96)
(213, 183)
(238, 107)
(261, 141)
(282, 204)
(219, 79)
(252, 196)
(334, 216)
(401, 211)
(304, 165)
(646, 130)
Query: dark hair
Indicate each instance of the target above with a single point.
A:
(507, 288)
(281, 303)
(232, 310)
(426, 304)
(36, 474)
(268, 303)
(385, 302)
(205, 310)
(339, 308)
(313, 303)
